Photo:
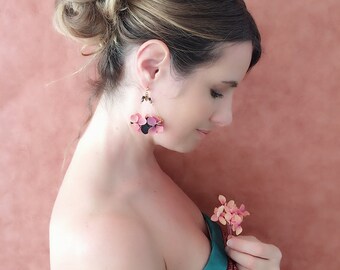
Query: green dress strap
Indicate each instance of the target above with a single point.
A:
(218, 259)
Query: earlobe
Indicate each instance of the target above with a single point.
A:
(152, 58)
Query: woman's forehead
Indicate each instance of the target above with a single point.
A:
(231, 66)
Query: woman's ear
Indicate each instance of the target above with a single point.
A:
(153, 59)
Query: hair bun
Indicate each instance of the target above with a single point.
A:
(93, 21)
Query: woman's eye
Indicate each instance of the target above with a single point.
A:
(215, 94)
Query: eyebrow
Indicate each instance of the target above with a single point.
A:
(231, 83)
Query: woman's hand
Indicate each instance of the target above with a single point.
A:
(251, 254)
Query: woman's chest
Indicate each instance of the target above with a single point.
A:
(177, 226)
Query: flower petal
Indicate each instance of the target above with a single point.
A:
(220, 210)
(141, 121)
(214, 217)
(152, 130)
(152, 121)
(222, 220)
(222, 199)
(246, 213)
(136, 127)
(231, 204)
(159, 129)
(228, 216)
(234, 227)
(239, 230)
(134, 118)
(237, 219)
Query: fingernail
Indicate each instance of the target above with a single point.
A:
(229, 242)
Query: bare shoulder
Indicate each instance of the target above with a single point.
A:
(105, 242)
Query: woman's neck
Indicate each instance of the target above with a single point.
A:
(110, 139)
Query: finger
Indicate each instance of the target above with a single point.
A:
(246, 261)
(247, 237)
(258, 249)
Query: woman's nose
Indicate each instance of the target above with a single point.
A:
(223, 115)
(222, 118)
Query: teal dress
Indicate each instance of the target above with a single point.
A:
(218, 259)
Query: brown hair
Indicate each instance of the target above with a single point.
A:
(192, 29)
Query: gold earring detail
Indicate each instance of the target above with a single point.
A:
(146, 96)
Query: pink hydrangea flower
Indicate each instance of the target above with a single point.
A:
(229, 213)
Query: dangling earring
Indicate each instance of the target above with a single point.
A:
(149, 123)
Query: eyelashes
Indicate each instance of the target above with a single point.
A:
(215, 94)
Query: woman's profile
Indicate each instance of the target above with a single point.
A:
(167, 72)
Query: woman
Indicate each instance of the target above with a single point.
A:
(167, 72)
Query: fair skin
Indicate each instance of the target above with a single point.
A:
(116, 204)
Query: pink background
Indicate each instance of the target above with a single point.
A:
(281, 155)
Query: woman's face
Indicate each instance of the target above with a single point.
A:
(202, 101)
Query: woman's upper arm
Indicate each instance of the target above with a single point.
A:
(112, 244)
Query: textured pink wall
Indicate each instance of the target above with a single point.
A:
(281, 156)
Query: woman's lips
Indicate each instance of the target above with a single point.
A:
(203, 132)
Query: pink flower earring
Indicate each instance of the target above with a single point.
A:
(148, 124)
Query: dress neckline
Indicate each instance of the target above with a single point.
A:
(218, 259)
